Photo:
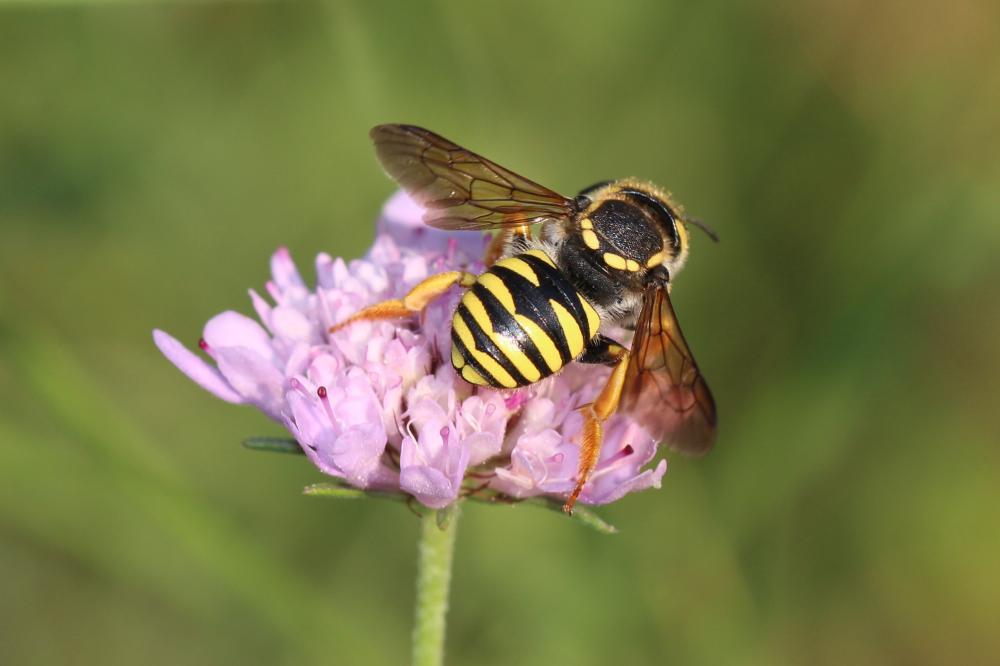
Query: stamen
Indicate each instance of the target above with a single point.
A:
(321, 392)
(623, 453)
(203, 345)
(296, 385)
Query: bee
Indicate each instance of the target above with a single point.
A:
(601, 260)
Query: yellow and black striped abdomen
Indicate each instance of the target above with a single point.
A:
(522, 321)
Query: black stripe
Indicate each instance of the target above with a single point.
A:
(570, 297)
(484, 344)
(533, 303)
(505, 325)
(470, 360)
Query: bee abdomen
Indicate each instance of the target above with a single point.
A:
(522, 321)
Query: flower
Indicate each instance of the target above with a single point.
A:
(378, 405)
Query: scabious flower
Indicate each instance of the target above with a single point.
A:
(378, 405)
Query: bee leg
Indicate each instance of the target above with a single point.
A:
(502, 239)
(415, 301)
(608, 352)
(602, 351)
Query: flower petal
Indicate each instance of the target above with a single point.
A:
(431, 487)
(256, 379)
(195, 368)
(232, 329)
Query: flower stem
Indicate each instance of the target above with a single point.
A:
(437, 543)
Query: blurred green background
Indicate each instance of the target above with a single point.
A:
(152, 156)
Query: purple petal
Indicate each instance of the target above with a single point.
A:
(649, 478)
(232, 329)
(253, 377)
(429, 486)
(283, 270)
(358, 452)
(290, 323)
(195, 368)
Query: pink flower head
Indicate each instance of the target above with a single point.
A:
(378, 405)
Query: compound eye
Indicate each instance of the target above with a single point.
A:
(659, 275)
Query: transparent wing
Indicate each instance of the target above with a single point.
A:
(664, 390)
(460, 189)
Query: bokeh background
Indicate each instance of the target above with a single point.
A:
(152, 156)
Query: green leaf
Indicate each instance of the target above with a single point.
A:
(580, 514)
(341, 490)
(275, 444)
(337, 490)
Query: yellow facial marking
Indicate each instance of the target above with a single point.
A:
(590, 239)
(456, 358)
(655, 260)
(546, 347)
(585, 223)
(487, 362)
(521, 267)
(593, 320)
(615, 261)
(574, 336)
(496, 287)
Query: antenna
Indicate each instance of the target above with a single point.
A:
(704, 227)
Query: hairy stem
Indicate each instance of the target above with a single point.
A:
(434, 556)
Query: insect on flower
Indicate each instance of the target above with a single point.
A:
(604, 259)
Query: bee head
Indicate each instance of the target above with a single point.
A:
(632, 228)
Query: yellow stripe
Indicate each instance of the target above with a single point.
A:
(473, 377)
(456, 358)
(496, 287)
(655, 260)
(506, 346)
(538, 254)
(494, 369)
(546, 347)
(478, 312)
(586, 223)
(574, 336)
(591, 239)
(632, 265)
(593, 320)
(521, 267)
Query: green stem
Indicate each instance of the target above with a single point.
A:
(437, 543)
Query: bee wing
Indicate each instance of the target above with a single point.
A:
(460, 189)
(663, 389)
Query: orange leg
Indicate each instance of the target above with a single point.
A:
(415, 301)
(594, 416)
(501, 240)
